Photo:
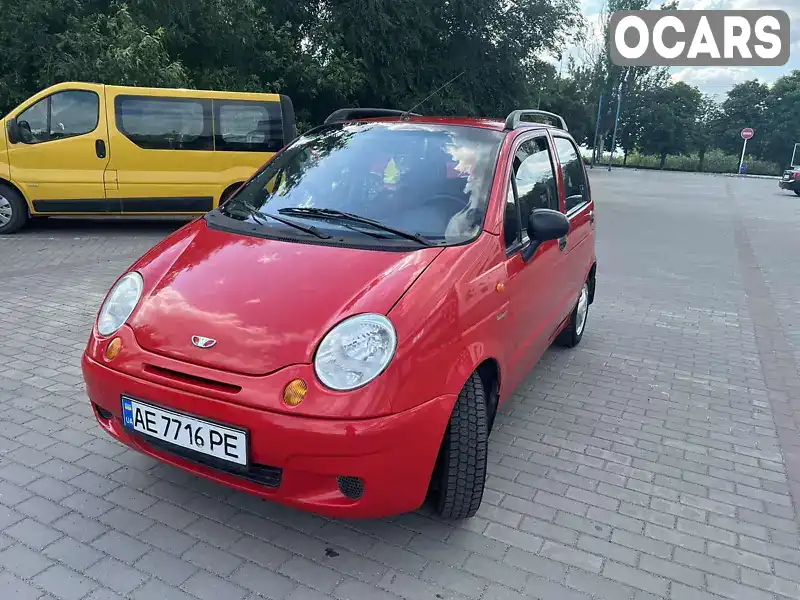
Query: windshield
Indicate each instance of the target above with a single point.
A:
(429, 180)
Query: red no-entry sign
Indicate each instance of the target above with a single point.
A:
(747, 133)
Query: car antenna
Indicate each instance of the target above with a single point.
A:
(404, 116)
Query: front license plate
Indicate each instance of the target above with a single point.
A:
(223, 443)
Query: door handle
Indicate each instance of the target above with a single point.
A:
(591, 216)
(100, 148)
(562, 243)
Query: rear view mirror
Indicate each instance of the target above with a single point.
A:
(544, 225)
(24, 132)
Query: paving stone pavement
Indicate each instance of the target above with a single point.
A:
(660, 459)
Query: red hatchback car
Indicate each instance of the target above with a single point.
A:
(339, 334)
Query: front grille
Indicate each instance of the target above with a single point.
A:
(192, 379)
(261, 474)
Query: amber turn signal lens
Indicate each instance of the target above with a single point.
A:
(113, 349)
(500, 287)
(295, 392)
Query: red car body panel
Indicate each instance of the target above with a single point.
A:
(269, 303)
(263, 279)
(394, 455)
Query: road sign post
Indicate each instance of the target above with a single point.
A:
(747, 133)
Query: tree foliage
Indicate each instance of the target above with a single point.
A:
(326, 54)
(667, 120)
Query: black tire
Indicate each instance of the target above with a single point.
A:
(797, 191)
(460, 473)
(572, 334)
(10, 199)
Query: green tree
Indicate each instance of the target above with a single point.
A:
(668, 119)
(783, 112)
(599, 76)
(746, 105)
(706, 126)
(562, 96)
(113, 49)
(324, 54)
(413, 46)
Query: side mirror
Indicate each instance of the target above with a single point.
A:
(13, 131)
(544, 225)
(24, 132)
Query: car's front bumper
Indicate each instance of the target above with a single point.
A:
(295, 460)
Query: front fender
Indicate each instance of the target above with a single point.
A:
(451, 318)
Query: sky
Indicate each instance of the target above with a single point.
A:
(718, 80)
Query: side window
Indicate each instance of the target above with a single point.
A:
(248, 126)
(165, 123)
(511, 219)
(32, 122)
(73, 113)
(575, 188)
(535, 177)
(536, 187)
(62, 115)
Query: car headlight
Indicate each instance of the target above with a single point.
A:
(119, 304)
(355, 352)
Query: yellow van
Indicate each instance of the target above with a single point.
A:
(88, 149)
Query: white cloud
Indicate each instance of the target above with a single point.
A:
(710, 80)
(716, 80)
(791, 7)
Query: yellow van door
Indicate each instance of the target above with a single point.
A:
(163, 159)
(62, 151)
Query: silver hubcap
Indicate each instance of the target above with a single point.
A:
(583, 308)
(5, 211)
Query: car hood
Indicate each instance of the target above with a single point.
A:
(266, 303)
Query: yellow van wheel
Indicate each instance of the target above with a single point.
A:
(13, 210)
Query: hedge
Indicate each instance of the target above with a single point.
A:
(716, 161)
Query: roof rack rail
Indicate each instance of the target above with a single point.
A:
(515, 118)
(347, 114)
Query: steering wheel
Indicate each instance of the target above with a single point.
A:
(458, 201)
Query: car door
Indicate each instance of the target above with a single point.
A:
(580, 212)
(163, 158)
(533, 285)
(62, 152)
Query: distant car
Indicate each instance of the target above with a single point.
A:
(339, 334)
(791, 180)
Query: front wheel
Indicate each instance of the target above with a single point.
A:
(797, 191)
(13, 210)
(460, 474)
(573, 333)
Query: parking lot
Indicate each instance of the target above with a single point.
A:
(659, 459)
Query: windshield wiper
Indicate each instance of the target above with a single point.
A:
(346, 216)
(258, 216)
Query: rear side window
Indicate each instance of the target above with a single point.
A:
(61, 115)
(165, 123)
(575, 187)
(248, 126)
